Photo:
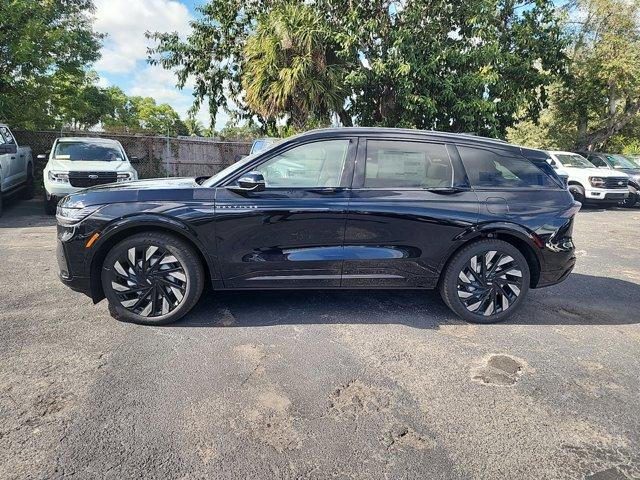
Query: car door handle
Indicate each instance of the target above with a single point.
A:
(13, 158)
(326, 190)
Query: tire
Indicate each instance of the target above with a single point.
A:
(30, 188)
(50, 205)
(630, 201)
(156, 298)
(578, 193)
(499, 295)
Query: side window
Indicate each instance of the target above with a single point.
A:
(5, 134)
(402, 164)
(313, 165)
(486, 168)
(597, 161)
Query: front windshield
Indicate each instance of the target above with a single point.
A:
(235, 166)
(573, 160)
(620, 161)
(87, 151)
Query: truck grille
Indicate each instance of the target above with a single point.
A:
(89, 179)
(615, 182)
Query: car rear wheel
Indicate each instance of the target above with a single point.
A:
(486, 281)
(152, 279)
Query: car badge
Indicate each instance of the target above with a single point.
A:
(93, 177)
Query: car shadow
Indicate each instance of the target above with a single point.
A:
(580, 300)
(18, 213)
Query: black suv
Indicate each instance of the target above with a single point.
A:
(479, 219)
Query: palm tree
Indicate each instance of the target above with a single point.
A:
(290, 66)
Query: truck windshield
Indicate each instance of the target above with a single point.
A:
(573, 160)
(87, 151)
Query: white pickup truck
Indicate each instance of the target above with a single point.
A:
(16, 167)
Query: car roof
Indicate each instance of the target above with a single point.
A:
(385, 132)
(563, 152)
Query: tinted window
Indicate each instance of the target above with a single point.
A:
(486, 168)
(400, 164)
(597, 161)
(317, 164)
(87, 151)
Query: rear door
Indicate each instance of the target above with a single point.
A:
(291, 234)
(410, 199)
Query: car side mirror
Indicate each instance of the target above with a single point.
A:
(249, 182)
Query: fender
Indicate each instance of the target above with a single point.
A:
(137, 222)
(486, 229)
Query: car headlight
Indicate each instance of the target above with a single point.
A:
(73, 215)
(597, 182)
(58, 177)
(124, 176)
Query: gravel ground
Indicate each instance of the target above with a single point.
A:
(319, 384)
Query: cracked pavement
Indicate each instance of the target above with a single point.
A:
(322, 384)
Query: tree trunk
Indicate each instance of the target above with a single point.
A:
(345, 118)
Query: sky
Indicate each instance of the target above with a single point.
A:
(124, 50)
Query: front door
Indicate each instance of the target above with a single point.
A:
(410, 200)
(289, 235)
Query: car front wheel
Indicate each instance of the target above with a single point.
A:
(486, 281)
(152, 279)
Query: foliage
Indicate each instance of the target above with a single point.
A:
(194, 127)
(290, 67)
(460, 66)
(141, 115)
(45, 47)
(235, 132)
(601, 90)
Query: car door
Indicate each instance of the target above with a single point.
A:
(409, 201)
(291, 233)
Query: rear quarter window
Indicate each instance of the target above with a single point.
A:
(493, 169)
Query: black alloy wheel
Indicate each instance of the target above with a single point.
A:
(486, 281)
(152, 279)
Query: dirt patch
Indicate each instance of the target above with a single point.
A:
(355, 398)
(499, 369)
(403, 437)
(225, 318)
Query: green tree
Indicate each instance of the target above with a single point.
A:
(141, 115)
(194, 127)
(290, 66)
(44, 47)
(460, 66)
(601, 90)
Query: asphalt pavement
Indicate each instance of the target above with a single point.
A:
(322, 384)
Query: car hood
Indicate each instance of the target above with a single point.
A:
(634, 173)
(88, 166)
(156, 189)
(594, 172)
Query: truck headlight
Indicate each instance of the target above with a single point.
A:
(124, 176)
(73, 215)
(58, 177)
(596, 182)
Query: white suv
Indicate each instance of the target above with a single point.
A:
(80, 162)
(589, 184)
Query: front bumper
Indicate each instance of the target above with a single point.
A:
(71, 267)
(606, 195)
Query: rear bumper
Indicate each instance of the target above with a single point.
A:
(552, 277)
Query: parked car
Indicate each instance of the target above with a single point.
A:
(261, 144)
(473, 217)
(589, 184)
(16, 167)
(75, 163)
(619, 163)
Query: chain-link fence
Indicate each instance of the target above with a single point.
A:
(151, 156)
